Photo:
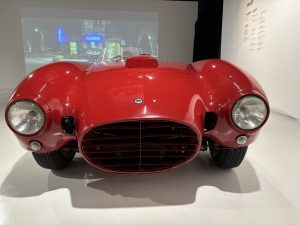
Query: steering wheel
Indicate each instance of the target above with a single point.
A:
(116, 58)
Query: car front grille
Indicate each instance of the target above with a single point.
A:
(139, 146)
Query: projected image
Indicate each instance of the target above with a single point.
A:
(48, 40)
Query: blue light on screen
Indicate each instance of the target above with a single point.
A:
(93, 37)
(61, 35)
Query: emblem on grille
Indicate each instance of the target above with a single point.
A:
(138, 101)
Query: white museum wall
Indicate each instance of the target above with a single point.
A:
(262, 37)
(175, 29)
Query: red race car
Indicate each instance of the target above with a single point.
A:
(139, 115)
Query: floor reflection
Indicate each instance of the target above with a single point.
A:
(93, 188)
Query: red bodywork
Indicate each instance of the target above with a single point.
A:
(99, 95)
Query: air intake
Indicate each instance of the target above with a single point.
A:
(141, 61)
(139, 146)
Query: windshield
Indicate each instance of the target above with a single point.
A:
(115, 52)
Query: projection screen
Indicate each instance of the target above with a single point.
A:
(94, 36)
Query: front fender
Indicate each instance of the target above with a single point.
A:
(55, 88)
(221, 85)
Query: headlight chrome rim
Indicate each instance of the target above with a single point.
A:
(236, 105)
(39, 109)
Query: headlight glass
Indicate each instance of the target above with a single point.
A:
(26, 117)
(249, 112)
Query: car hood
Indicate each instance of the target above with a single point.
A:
(111, 94)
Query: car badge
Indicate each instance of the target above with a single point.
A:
(138, 101)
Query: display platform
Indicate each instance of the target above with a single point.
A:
(263, 190)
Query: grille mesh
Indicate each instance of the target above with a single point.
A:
(139, 146)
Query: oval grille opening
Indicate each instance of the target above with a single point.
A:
(139, 146)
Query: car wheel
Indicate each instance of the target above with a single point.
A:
(54, 160)
(227, 158)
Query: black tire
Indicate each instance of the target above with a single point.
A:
(228, 158)
(54, 160)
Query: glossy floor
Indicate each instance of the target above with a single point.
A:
(263, 190)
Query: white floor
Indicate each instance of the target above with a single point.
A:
(263, 190)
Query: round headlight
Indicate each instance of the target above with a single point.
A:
(249, 113)
(26, 117)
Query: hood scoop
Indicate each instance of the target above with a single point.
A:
(141, 61)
